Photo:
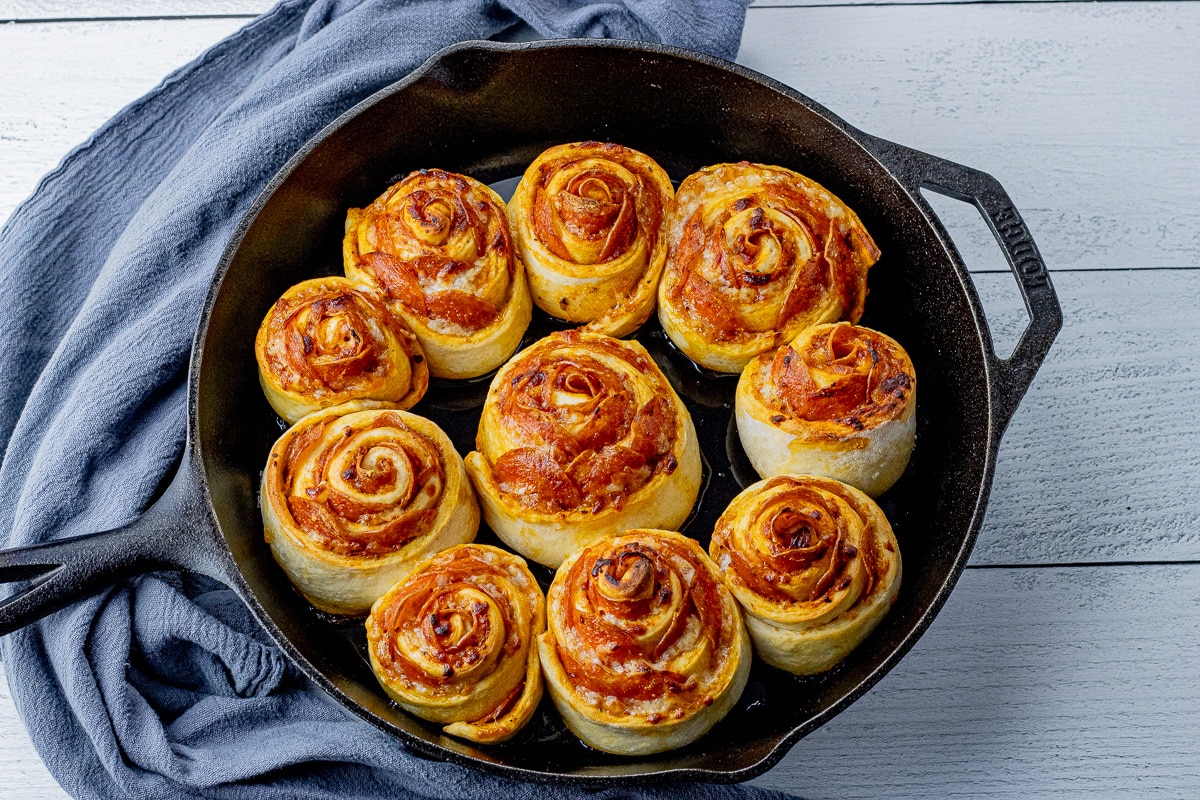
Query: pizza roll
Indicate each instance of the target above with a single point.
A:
(587, 219)
(814, 564)
(645, 649)
(328, 341)
(582, 436)
(438, 245)
(758, 253)
(454, 642)
(839, 401)
(354, 496)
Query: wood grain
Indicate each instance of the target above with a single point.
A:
(124, 9)
(62, 81)
(1056, 683)
(25, 10)
(1086, 113)
(820, 3)
(1102, 460)
(25, 776)
(1030, 683)
(1094, 149)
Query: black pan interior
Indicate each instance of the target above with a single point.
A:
(487, 111)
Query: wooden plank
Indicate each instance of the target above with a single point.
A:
(60, 82)
(1085, 112)
(1097, 156)
(819, 3)
(157, 9)
(1054, 683)
(1031, 683)
(25, 776)
(44, 10)
(1102, 460)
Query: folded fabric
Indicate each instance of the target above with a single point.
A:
(165, 687)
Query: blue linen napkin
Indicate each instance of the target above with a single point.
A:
(165, 687)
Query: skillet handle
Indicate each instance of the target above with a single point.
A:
(174, 533)
(1011, 376)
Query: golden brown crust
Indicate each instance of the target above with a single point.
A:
(582, 435)
(814, 564)
(588, 219)
(645, 648)
(839, 401)
(453, 642)
(327, 341)
(354, 496)
(438, 245)
(757, 253)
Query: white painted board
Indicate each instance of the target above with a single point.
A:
(61, 81)
(25, 776)
(1085, 112)
(124, 9)
(1031, 683)
(1102, 460)
(1090, 130)
(108, 9)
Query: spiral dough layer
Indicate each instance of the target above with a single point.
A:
(454, 642)
(581, 435)
(645, 648)
(354, 496)
(438, 245)
(587, 219)
(839, 401)
(328, 341)
(813, 562)
(757, 253)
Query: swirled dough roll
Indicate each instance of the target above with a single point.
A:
(758, 253)
(581, 436)
(454, 642)
(354, 496)
(328, 341)
(438, 244)
(587, 219)
(645, 649)
(839, 401)
(813, 563)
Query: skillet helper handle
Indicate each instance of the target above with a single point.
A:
(169, 535)
(1011, 376)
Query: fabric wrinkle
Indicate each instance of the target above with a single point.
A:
(164, 686)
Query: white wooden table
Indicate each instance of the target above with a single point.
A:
(1067, 661)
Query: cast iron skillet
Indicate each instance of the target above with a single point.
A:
(487, 110)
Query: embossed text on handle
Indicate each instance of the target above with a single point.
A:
(1020, 246)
